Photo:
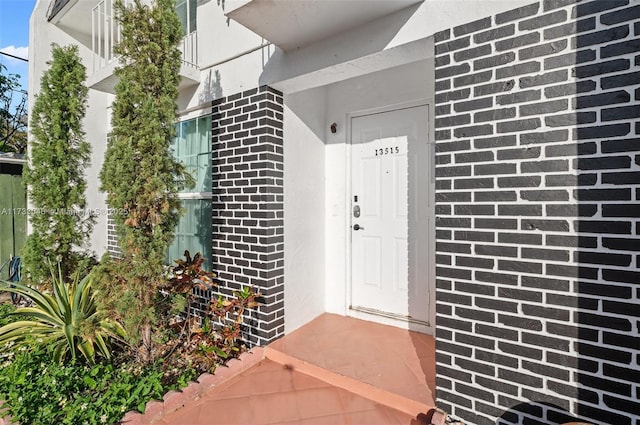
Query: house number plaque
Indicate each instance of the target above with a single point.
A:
(387, 151)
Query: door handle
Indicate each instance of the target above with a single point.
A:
(357, 227)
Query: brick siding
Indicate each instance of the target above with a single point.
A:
(247, 222)
(112, 238)
(538, 207)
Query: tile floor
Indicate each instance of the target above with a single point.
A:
(392, 359)
(271, 393)
(386, 357)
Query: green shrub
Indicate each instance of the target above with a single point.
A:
(54, 175)
(140, 175)
(39, 391)
(67, 321)
(6, 311)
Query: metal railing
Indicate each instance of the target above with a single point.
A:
(105, 34)
(189, 49)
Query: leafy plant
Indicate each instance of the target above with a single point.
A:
(140, 174)
(207, 337)
(188, 274)
(67, 320)
(219, 336)
(54, 175)
(41, 392)
(5, 313)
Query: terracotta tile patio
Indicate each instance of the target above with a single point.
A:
(391, 359)
(334, 370)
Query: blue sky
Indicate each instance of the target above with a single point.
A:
(14, 34)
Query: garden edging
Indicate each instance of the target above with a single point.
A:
(174, 400)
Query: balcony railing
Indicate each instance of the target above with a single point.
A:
(106, 33)
(189, 49)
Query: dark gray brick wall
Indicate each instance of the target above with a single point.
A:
(538, 216)
(247, 213)
(112, 238)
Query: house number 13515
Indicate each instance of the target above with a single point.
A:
(387, 151)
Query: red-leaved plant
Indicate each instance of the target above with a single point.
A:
(216, 337)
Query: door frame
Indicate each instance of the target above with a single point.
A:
(389, 319)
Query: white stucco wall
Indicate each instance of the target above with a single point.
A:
(97, 126)
(225, 79)
(225, 70)
(304, 199)
(220, 37)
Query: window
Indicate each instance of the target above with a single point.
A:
(192, 146)
(186, 10)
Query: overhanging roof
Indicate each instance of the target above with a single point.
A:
(55, 7)
(291, 24)
(73, 16)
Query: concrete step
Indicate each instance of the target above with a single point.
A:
(387, 398)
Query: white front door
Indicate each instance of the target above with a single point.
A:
(391, 215)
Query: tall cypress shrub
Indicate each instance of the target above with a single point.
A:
(54, 175)
(140, 174)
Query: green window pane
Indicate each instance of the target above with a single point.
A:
(192, 147)
(193, 232)
(192, 15)
(181, 10)
(187, 13)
